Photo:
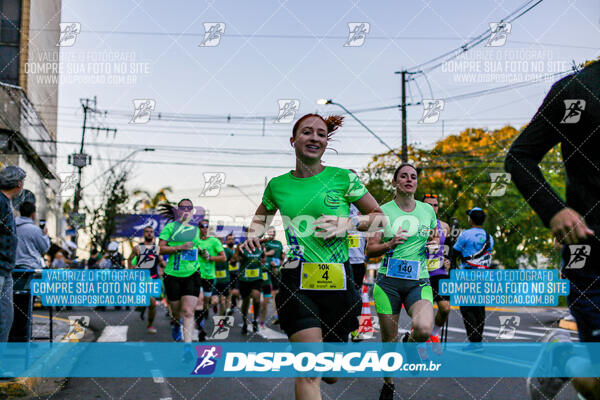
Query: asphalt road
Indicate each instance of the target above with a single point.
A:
(531, 326)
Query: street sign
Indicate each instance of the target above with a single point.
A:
(80, 160)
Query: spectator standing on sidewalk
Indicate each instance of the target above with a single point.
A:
(11, 185)
(33, 243)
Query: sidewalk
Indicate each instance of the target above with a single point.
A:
(36, 386)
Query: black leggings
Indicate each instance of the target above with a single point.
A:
(474, 318)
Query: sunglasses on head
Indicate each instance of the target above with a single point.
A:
(433, 196)
(186, 208)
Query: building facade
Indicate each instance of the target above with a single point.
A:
(29, 60)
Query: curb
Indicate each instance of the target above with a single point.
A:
(27, 386)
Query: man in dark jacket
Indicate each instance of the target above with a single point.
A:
(569, 115)
(11, 185)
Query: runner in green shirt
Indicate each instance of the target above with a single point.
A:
(179, 239)
(274, 252)
(211, 251)
(222, 282)
(234, 284)
(251, 265)
(316, 299)
(267, 290)
(403, 277)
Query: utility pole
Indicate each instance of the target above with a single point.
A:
(403, 74)
(81, 159)
(403, 110)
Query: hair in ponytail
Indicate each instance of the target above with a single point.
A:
(333, 122)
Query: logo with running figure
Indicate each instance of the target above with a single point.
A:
(578, 255)
(500, 181)
(68, 33)
(213, 181)
(573, 110)
(212, 34)
(332, 199)
(431, 111)
(77, 327)
(222, 327)
(357, 33)
(68, 183)
(508, 326)
(287, 110)
(207, 359)
(499, 33)
(142, 109)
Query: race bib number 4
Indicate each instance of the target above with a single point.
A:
(323, 276)
(353, 241)
(221, 274)
(189, 255)
(403, 269)
(252, 273)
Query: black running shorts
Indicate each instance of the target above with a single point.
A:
(176, 287)
(336, 312)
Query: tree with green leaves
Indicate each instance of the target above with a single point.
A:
(465, 171)
(147, 201)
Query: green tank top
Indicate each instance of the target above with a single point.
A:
(418, 223)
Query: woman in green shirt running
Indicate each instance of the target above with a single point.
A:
(403, 278)
(180, 240)
(316, 301)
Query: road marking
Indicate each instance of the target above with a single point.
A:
(114, 333)
(271, 334)
(459, 330)
(157, 376)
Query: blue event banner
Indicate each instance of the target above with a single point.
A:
(509, 288)
(283, 359)
(96, 287)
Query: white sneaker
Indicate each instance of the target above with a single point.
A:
(151, 329)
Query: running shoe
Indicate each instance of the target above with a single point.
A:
(176, 332)
(436, 345)
(405, 337)
(262, 325)
(387, 392)
(473, 347)
(548, 388)
(151, 329)
(245, 328)
(255, 326)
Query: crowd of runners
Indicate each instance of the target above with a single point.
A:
(332, 223)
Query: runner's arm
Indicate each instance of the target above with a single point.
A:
(372, 217)
(262, 218)
(375, 247)
(134, 252)
(166, 249)
(221, 257)
(528, 150)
